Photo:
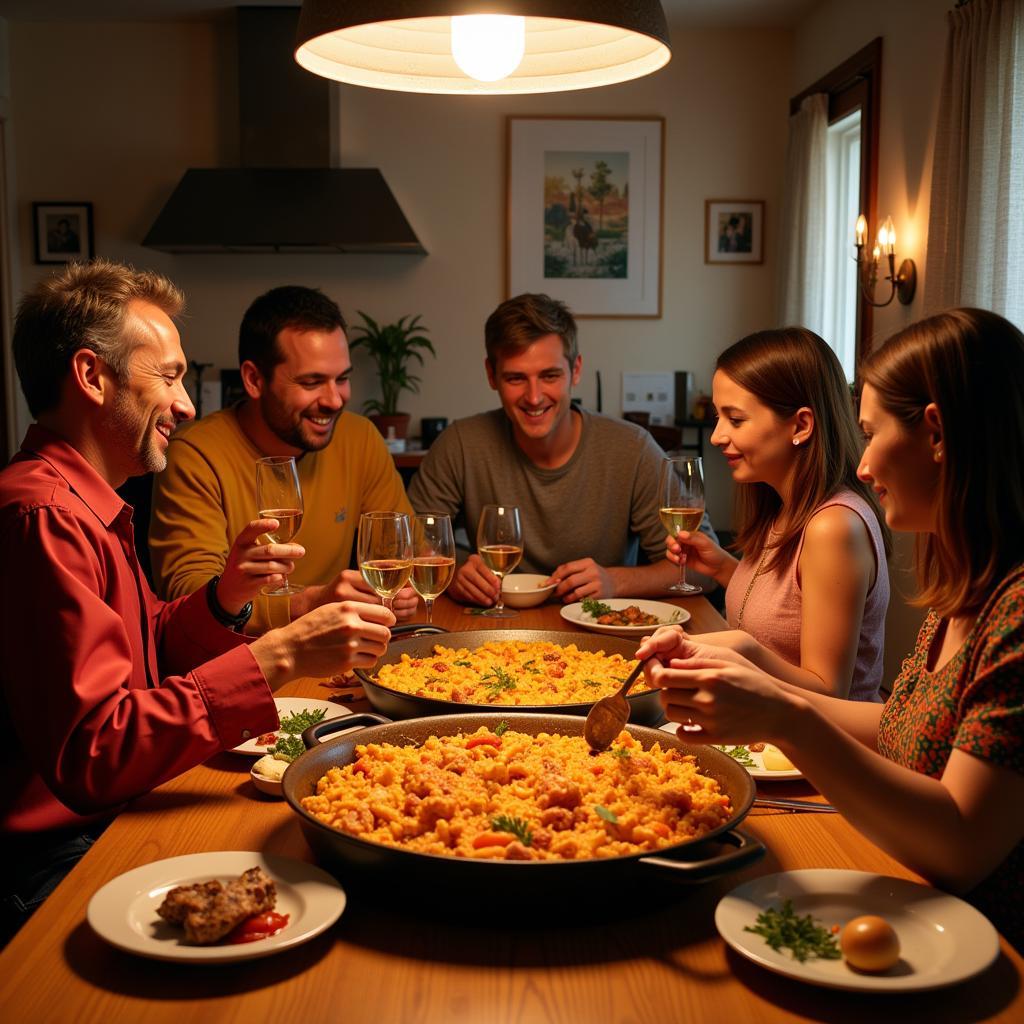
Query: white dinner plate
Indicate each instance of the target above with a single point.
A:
(758, 771)
(124, 913)
(668, 614)
(288, 706)
(943, 940)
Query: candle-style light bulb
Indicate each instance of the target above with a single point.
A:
(876, 252)
(889, 246)
(488, 47)
(862, 230)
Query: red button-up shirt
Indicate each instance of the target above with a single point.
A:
(87, 719)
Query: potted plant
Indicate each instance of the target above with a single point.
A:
(392, 347)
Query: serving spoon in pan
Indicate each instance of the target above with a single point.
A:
(606, 719)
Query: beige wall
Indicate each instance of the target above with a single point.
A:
(913, 49)
(114, 113)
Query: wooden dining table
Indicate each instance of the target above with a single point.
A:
(643, 959)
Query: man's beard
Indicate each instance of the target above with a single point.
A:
(291, 433)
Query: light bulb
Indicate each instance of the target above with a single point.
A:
(861, 229)
(890, 236)
(488, 47)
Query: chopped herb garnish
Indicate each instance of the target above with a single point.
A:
(603, 812)
(591, 682)
(528, 665)
(500, 680)
(518, 828)
(784, 929)
(622, 753)
(740, 754)
(287, 748)
(465, 664)
(501, 728)
(596, 608)
(300, 721)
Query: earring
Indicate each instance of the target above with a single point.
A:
(938, 455)
(796, 440)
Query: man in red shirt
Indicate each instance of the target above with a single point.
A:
(106, 692)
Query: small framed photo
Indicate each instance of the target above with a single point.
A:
(734, 231)
(62, 232)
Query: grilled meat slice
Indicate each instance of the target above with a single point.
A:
(209, 910)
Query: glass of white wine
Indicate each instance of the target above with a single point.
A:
(499, 542)
(433, 557)
(385, 552)
(279, 496)
(682, 506)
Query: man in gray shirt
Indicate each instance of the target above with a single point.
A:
(586, 485)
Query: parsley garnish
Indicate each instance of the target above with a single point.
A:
(501, 680)
(784, 929)
(591, 682)
(287, 748)
(596, 608)
(603, 812)
(464, 664)
(501, 728)
(740, 754)
(518, 828)
(622, 753)
(300, 721)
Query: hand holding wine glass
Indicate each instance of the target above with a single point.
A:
(433, 557)
(385, 552)
(682, 506)
(279, 496)
(499, 542)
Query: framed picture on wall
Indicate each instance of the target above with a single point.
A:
(734, 231)
(584, 199)
(62, 232)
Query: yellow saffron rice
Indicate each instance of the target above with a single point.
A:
(512, 673)
(520, 797)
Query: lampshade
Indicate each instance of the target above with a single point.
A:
(406, 45)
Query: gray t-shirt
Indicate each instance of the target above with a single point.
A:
(602, 504)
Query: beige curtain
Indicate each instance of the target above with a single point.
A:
(976, 223)
(803, 216)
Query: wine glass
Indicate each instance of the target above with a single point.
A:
(385, 552)
(499, 542)
(682, 506)
(433, 557)
(279, 496)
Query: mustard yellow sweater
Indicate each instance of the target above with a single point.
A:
(207, 495)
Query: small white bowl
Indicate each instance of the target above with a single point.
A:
(525, 590)
(265, 784)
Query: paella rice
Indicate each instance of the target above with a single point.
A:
(508, 795)
(510, 673)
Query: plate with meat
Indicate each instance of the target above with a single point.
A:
(623, 616)
(296, 714)
(216, 907)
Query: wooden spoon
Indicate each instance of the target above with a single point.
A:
(607, 717)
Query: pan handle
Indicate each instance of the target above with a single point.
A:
(746, 850)
(416, 629)
(311, 736)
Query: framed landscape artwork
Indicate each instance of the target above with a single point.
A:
(62, 232)
(584, 200)
(734, 231)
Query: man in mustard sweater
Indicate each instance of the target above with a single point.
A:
(295, 368)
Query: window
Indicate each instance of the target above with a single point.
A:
(843, 205)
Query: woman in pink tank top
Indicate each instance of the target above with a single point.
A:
(807, 600)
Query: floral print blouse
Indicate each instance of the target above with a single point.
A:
(974, 703)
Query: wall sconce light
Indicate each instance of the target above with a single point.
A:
(904, 283)
(482, 47)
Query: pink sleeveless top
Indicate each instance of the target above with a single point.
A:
(773, 611)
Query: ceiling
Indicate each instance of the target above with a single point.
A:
(684, 13)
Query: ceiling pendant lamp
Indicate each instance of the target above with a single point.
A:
(482, 47)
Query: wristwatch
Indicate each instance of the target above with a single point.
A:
(235, 622)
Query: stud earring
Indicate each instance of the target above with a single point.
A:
(938, 455)
(796, 440)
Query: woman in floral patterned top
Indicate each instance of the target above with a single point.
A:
(936, 775)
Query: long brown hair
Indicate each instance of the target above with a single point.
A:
(786, 369)
(970, 363)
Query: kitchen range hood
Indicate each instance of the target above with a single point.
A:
(285, 197)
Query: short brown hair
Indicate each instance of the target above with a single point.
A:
(786, 369)
(970, 363)
(83, 306)
(518, 322)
